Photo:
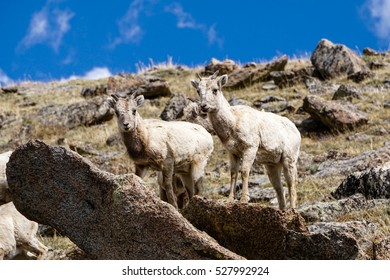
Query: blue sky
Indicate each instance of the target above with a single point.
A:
(60, 39)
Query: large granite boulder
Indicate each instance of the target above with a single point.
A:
(107, 216)
(333, 60)
(336, 117)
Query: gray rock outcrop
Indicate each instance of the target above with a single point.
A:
(336, 117)
(149, 86)
(332, 60)
(85, 113)
(223, 67)
(174, 108)
(254, 73)
(372, 183)
(346, 92)
(107, 216)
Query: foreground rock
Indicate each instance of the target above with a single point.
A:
(332, 60)
(107, 216)
(258, 232)
(336, 117)
(85, 113)
(372, 183)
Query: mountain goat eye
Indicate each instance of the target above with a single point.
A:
(215, 91)
(133, 111)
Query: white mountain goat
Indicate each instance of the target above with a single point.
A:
(175, 147)
(250, 135)
(18, 235)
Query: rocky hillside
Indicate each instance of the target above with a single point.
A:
(338, 100)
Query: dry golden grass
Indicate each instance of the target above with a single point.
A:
(310, 189)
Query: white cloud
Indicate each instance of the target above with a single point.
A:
(48, 26)
(4, 79)
(97, 73)
(131, 31)
(213, 36)
(379, 11)
(93, 74)
(129, 28)
(185, 20)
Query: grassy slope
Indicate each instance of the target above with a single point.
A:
(23, 127)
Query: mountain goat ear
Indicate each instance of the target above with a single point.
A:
(215, 75)
(139, 100)
(111, 102)
(223, 80)
(195, 84)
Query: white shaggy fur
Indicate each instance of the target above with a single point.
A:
(250, 135)
(176, 147)
(18, 234)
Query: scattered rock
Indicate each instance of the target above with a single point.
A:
(332, 210)
(277, 107)
(380, 131)
(346, 166)
(358, 137)
(28, 104)
(375, 65)
(114, 139)
(382, 248)
(91, 112)
(270, 98)
(269, 85)
(386, 104)
(371, 52)
(246, 76)
(315, 86)
(274, 104)
(346, 92)
(335, 116)
(326, 245)
(10, 89)
(362, 232)
(372, 183)
(154, 87)
(149, 86)
(223, 67)
(95, 91)
(239, 101)
(360, 76)
(107, 216)
(289, 78)
(332, 60)
(174, 108)
(311, 126)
